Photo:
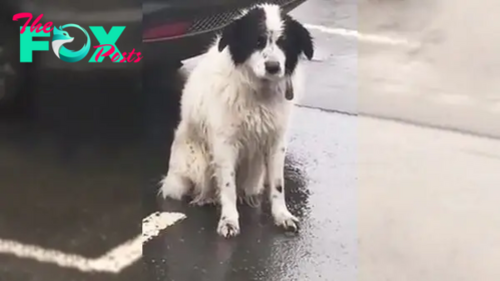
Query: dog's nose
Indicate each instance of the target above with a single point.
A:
(272, 67)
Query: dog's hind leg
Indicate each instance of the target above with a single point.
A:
(177, 183)
(174, 186)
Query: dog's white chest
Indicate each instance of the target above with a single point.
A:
(257, 125)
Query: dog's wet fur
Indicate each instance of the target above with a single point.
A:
(235, 110)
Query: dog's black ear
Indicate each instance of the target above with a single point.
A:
(303, 38)
(227, 35)
(237, 36)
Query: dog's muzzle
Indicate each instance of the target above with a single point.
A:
(272, 67)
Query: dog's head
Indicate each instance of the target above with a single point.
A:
(267, 41)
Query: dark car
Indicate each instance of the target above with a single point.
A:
(179, 29)
(171, 30)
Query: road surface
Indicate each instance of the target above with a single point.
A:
(445, 76)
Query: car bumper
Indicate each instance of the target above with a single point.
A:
(180, 48)
(153, 51)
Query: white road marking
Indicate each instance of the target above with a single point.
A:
(372, 38)
(114, 261)
(156, 222)
(45, 255)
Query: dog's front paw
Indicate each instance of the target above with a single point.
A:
(286, 220)
(228, 227)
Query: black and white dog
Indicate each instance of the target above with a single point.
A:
(235, 109)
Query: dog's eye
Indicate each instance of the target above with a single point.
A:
(261, 41)
(281, 39)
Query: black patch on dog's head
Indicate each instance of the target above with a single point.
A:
(248, 34)
(295, 40)
(245, 35)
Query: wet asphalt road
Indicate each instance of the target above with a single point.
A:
(71, 170)
(447, 80)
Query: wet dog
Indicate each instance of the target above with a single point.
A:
(235, 110)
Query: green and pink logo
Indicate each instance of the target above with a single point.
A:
(60, 36)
